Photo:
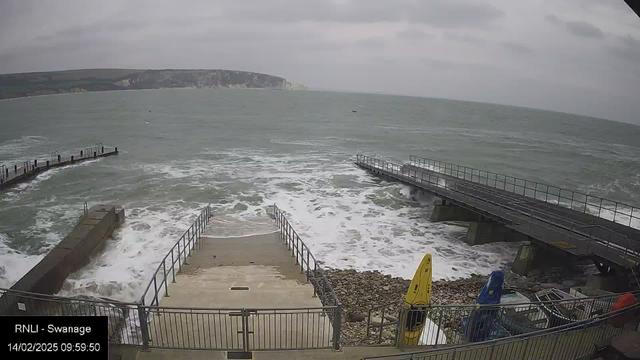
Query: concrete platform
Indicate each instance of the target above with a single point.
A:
(229, 282)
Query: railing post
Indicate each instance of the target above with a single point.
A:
(308, 265)
(189, 237)
(155, 287)
(294, 248)
(315, 273)
(184, 249)
(144, 327)
(337, 327)
(179, 262)
(164, 273)
(173, 268)
(302, 260)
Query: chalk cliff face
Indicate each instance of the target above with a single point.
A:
(29, 84)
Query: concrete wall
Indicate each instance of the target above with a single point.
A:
(489, 232)
(73, 252)
(448, 212)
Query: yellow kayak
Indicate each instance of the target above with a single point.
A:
(417, 299)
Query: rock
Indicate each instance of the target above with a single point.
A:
(386, 287)
(390, 318)
(376, 321)
(534, 272)
(471, 295)
(355, 316)
(388, 335)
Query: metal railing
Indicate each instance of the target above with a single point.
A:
(308, 263)
(54, 160)
(147, 324)
(314, 272)
(123, 318)
(457, 324)
(570, 341)
(615, 211)
(567, 233)
(174, 259)
(242, 329)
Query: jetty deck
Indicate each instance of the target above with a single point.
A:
(579, 224)
(12, 174)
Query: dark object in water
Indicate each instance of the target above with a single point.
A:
(353, 111)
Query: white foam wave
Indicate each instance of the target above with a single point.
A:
(14, 263)
(123, 269)
(351, 220)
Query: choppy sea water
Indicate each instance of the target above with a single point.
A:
(242, 150)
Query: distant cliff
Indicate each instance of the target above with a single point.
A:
(58, 82)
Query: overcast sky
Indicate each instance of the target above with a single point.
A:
(577, 56)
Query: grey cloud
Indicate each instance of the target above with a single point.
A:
(412, 33)
(441, 13)
(465, 38)
(553, 19)
(516, 47)
(371, 43)
(584, 29)
(628, 48)
(577, 28)
(110, 27)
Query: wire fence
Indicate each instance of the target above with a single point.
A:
(572, 236)
(615, 211)
(570, 341)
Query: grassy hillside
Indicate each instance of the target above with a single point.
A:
(56, 82)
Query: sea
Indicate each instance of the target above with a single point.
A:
(244, 150)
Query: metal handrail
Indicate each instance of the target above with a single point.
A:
(315, 274)
(321, 285)
(495, 178)
(190, 239)
(495, 210)
(553, 332)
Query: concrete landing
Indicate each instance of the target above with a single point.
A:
(231, 282)
(260, 262)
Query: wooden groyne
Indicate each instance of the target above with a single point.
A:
(12, 175)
